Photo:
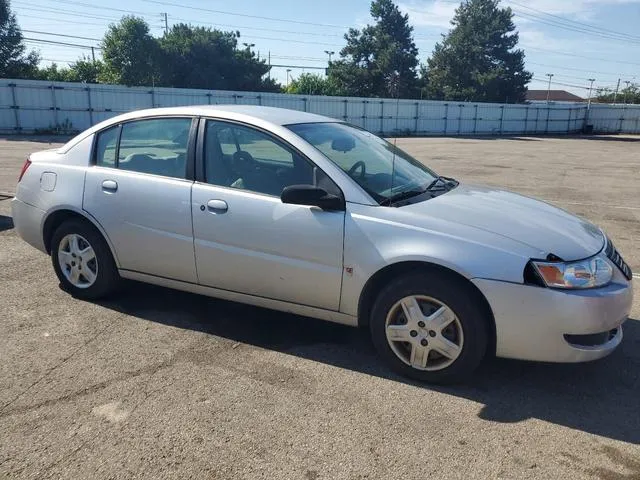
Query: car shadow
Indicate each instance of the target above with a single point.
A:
(599, 397)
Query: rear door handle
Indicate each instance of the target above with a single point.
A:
(109, 186)
(217, 206)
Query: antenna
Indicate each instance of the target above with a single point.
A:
(394, 89)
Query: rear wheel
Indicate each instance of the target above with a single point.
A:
(82, 260)
(431, 328)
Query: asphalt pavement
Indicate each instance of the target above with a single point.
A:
(157, 383)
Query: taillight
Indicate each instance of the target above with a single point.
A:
(24, 169)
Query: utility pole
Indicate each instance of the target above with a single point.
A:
(329, 52)
(626, 91)
(93, 54)
(166, 22)
(269, 63)
(288, 70)
(550, 75)
(615, 95)
(590, 90)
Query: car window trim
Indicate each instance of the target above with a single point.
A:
(200, 176)
(191, 144)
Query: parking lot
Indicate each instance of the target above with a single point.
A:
(162, 384)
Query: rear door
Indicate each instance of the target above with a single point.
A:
(246, 239)
(139, 190)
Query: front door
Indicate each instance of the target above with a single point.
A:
(246, 239)
(139, 192)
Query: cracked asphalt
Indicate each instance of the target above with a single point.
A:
(156, 383)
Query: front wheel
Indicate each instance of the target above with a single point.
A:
(82, 260)
(430, 327)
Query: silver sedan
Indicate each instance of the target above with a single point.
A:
(306, 214)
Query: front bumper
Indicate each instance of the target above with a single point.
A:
(531, 322)
(27, 220)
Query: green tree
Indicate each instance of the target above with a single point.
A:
(313, 84)
(83, 70)
(199, 57)
(630, 94)
(380, 60)
(130, 53)
(478, 60)
(13, 61)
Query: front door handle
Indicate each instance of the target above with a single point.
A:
(217, 206)
(109, 186)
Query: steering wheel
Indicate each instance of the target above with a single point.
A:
(243, 162)
(358, 165)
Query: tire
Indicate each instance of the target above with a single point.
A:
(456, 303)
(100, 276)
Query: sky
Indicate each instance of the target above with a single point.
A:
(575, 40)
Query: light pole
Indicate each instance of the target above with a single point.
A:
(550, 75)
(329, 52)
(288, 70)
(590, 90)
(249, 45)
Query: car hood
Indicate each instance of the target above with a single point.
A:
(543, 227)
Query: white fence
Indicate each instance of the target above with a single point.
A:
(30, 105)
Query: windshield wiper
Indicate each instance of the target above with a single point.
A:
(403, 196)
(445, 180)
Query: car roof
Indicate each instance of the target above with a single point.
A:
(252, 114)
(277, 116)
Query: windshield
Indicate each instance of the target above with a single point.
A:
(381, 169)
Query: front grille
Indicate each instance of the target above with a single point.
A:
(613, 255)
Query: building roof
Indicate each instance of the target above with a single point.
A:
(554, 96)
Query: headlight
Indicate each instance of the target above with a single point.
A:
(592, 272)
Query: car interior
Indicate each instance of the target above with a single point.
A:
(231, 163)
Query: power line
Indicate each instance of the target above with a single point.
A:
(62, 35)
(67, 13)
(581, 24)
(571, 69)
(571, 28)
(581, 56)
(272, 19)
(564, 84)
(63, 20)
(55, 42)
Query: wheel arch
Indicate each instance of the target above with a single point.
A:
(383, 276)
(56, 217)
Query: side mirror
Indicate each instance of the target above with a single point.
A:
(311, 195)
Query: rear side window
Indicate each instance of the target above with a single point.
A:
(157, 146)
(106, 147)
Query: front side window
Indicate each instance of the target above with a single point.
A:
(248, 159)
(157, 146)
(381, 169)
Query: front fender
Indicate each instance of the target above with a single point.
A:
(375, 239)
